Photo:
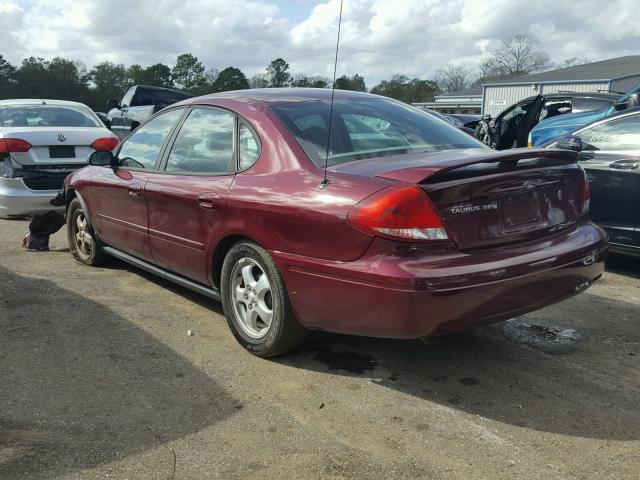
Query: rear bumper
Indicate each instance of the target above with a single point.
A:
(16, 199)
(411, 294)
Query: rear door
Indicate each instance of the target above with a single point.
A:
(187, 200)
(611, 158)
(530, 120)
(118, 200)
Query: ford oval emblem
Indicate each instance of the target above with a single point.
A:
(62, 137)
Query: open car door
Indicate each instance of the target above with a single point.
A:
(529, 121)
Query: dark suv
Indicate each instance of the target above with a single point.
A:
(510, 129)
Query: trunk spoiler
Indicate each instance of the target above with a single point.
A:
(421, 174)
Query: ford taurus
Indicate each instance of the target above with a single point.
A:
(396, 225)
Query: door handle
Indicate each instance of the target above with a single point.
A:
(135, 191)
(208, 201)
(625, 164)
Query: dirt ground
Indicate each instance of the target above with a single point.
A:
(98, 379)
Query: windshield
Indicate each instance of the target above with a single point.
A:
(367, 128)
(46, 116)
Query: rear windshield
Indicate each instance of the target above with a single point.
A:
(46, 116)
(367, 128)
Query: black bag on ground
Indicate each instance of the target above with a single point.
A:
(40, 228)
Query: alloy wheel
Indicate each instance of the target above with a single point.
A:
(83, 240)
(251, 297)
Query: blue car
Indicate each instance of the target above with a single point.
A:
(556, 127)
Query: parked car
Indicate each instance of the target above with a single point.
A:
(228, 195)
(510, 129)
(41, 142)
(465, 119)
(610, 154)
(449, 119)
(138, 105)
(554, 128)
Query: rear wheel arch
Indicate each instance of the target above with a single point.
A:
(221, 251)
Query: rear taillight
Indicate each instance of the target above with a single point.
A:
(586, 194)
(105, 144)
(14, 145)
(403, 212)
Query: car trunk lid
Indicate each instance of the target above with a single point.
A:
(487, 198)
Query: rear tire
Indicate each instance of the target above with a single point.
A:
(256, 302)
(83, 242)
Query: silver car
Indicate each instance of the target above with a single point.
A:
(41, 142)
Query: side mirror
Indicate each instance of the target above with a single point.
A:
(112, 104)
(102, 159)
(570, 142)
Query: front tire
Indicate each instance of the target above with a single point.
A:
(256, 303)
(83, 243)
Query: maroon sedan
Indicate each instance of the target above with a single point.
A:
(417, 229)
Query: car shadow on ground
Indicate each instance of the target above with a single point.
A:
(624, 265)
(484, 373)
(82, 386)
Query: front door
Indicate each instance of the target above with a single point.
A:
(118, 197)
(611, 158)
(187, 199)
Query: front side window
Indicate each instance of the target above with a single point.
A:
(367, 128)
(589, 104)
(517, 111)
(142, 148)
(47, 116)
(205, 143)
(620, 134)
(128, 97)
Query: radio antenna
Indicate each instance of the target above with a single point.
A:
(325, 180)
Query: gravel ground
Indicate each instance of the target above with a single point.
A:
(98, 379)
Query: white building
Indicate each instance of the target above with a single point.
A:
(616, 75)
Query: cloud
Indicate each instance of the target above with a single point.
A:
(379, 37)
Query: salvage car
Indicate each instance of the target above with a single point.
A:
(41, 142)
(139, 103)
(610, 154)
(554, 128)
(510, 129)
(245, 197)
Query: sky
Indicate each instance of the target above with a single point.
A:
(379, 37)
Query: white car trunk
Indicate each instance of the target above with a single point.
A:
(55, 145)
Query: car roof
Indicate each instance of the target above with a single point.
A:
(41, 101)
(277, 96)
(603, 95)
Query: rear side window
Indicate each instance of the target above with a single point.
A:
(620, 134)
(367, 127)
(142, 148)
(249, 147)
(554, 107)
(204, 144)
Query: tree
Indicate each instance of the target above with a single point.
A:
(109, 83)
(402, 88)
(278, 73)
(517, 56)
(158, 75)
(188, 72)
(356, 83)
(310, 82)
(7, 81)
(259, 80)
(453, 78)
(231, 78)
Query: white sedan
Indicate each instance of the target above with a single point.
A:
(41, 142)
